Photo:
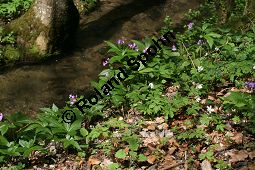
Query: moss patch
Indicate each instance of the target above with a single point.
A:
(11, 53)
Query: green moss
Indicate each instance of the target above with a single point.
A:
(11, 53)
(33, 50)
(28, 32)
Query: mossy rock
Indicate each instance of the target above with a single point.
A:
(46, 28)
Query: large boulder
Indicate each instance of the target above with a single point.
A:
(47, 28)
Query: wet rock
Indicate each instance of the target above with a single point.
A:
(47, 28)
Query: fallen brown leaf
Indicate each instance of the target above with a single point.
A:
(165, 126)
(151, 147)
(252, 154)
(171, 150)
(211, 98)
(173, 142)
(151, 159)
(151, 127)
(93, 161)
(237, 156)
(237, 138)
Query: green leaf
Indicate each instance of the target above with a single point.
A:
(220, 127)
(3, 129)
(84, 132)
(75, 126)
(81, 154)
(30, 150)
(54, 108)
(146, 70)
(32, 127)
(73, 143)
(236, 119)
(214, 35)
(209, 40)
(114, 166)
(175, 54)
(142, 158)
(113, 46)
(3, 141)
(116, 58)
(205, 26)
(120, 154)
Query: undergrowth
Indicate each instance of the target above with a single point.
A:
(183, 80)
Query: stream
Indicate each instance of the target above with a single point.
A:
(28, 88)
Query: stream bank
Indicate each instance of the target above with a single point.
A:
(30, 87)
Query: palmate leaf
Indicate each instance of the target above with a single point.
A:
(9, 152)
(210, 40)
(114, 48)
(121, 154)
(142, 158)
(117, 58)
(68, 142)
(240, 100)
(75, 126)
(114, 166)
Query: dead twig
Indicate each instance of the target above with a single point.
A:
(172, 166)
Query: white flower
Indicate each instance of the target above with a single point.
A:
(210, 109)
(206, 54)
(116, 134)
(254, 67)
(199, 86)
(198, 99)
(200, 68)
(151, 85)
(216, 49)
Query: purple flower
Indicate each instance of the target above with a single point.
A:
(145, 51)
(105, 61)
(121, 42)
(174, 48)
(73, 99)
(190, 25)
(250, 85)
(1, 116)
(133, 46)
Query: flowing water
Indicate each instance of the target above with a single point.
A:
(30, 87)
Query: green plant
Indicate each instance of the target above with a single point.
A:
(207, 155)
(241, 105)
(14, 8)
